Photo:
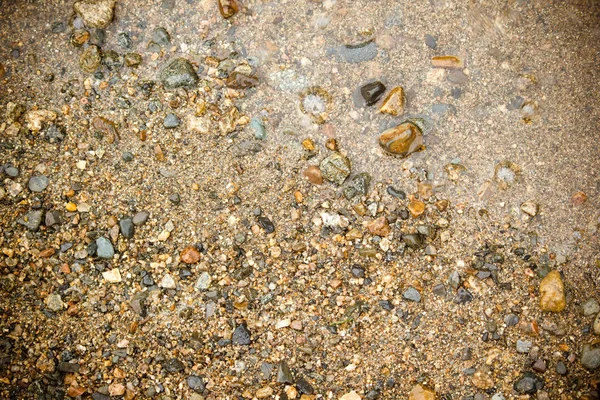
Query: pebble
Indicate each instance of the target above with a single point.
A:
(528, 383)
(511, 320)
(53, 218)
(530, 208)
(95, 13)
(140, 218)
(241, 335)
(336, 168)
(379, 227)
(11, 171)
(228, 8)
(38, 183)
(112, 276)
(127, 227)
(355, 53)
(372, 92)
(590, 357)
(167, 282)
(561, 368)
(116, 389)
(132, 59)
(32, 220)
(161, 37)
(313, 175)
(463, 296)
(591, 307)
(393, 104)
(304, 386)
(204, 281)
(448, 62)
(412, 294)
(127, 156)
(190, 255)
(482, 378)
(552, 293)
(196, 383)
(54, 302)
(420, 392)
(413, 240)
(402, 140)
(458, 77)
(178, 73)
(578, 198)
(90, 59)
(105, 248)
(539, 366)
(597, 325)
(257, 126)
(173, 365)
(350, 396)
(284, 374)
(430, 41)
(523, 346)
(171, 121)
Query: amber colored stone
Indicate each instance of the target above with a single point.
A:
(49, 252)
(393, 104)
(190, 255)
(552, 293)
(379, 227)
(313, 175)
(331, 144)
(237, 80)
(106, 127)
(578, 198)
(448, 62)
(402, 140)
(420, 392)
(416, 208)
(228, 8)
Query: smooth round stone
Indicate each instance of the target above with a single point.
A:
(259, 129)
(127, 156)
(11, 171)
(523, 346)
(104, 248)
(590, 357)
(402, 140)
(140, 218)
(561, 368)
(38, 183)
(196, 383)
(175, 198)
(372, 92)
(397, 193)
(591, 307)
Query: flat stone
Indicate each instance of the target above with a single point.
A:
(284, 374)
(38, 183)
(591, 307)
(112, 276)
(482, 378)
(412, 294)
(258, 127)
(54, 302)
(552, 293)
(105, 248)
(32, 220)
(590, 357)
(458, 77)
(430, 41)
(523, 346)
(171, 121)
(204, 281)
(127, 227)
(53, 218)
(420, 392)
(463, 296)
(11, 171)
(140, 218)
(530, 208)
(178, 73)
(313, 175)
(173, 365)
(241, 335)
(167, 282)
(336, 168)
(402, 140)
(393, 104)
(95, 13)
(350, 396)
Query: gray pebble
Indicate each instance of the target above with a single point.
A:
(53, 218)
(284, 375)
(196, 383)
(590, 357)
(241, 336)
(591, 307)
(32, 220)
(204, 281)
(259, 129)
(412, 294)
(523, 346)
(140, 218)
(127, 156)
(11, 171)
(38, 183)
(355, 53)
(127, 227)
(430, 41)
(171, 121)
(105, 248)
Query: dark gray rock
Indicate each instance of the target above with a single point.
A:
(463, 296)
(53, 218)
(124, 40)
(173, 366)
(138, 303)
(372, 92)
(127, 227)
(241, 336)
(590, 357)
(397, 193)
(178, 73)
(528, 383)
(561, 368)
(304, 386)
(430, 41)
(196, 383)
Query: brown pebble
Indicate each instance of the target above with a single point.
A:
(442, 205)
(228, 8)
(190, 255)
(416, 208)
(448, 62)
(313, 175)
(393, 104)
(158, 153)
(425, 190)
(379, 227)
(578, 198)
(49, 252)
(331, 144)
(308, 144)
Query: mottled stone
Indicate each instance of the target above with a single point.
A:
(402, 140)
(336, 168)
(105, 248)
(190, 255)
(178, 73)
(90, 59)
(420, 392)
(241, 335)
(393, 104)
(379, 227)
(552, 293)
(32, 220)
(590, 357)
(95, 13)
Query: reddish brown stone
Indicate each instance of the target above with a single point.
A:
(379, 227)
(190, 255)
(313, 174)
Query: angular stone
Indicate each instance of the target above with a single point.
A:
(420, 392)
(591, 307)
(412, 294)
(284, 374)
(336, 168)
(241, 336)
(238, 80)
(54, 302)
(105, 248)
(552, 293)
(38, 183)
(95, 13)
(372, 92)
(171, 121)
(178, 73)
(597, 325)
(112, 276)
(530, 208)
(204, 281)
(528, 383)
(167, 282)
(90, 59)
(393, 104)
(196, 383)
(53, 218)
(482, 379)
(106, 127)
(32, 220)
(379, 227)
(127, 227)
(140, 218)
(402, 140)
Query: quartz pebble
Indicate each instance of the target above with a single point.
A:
(552, 293)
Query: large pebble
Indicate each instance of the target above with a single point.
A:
(105, 248)
(190, 255)
(528, 383)
(552, 293)
(90, 59)
(591, 307)
(590, 357)
(241, 335)
(32, 220)
(402, 140)
(95, 13)
(336, 168)
(167, 282)
(420, 392)
(178, 73)
(38, 183)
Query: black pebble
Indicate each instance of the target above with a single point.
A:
(372, 92)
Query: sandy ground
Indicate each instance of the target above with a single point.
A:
(335, 303)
